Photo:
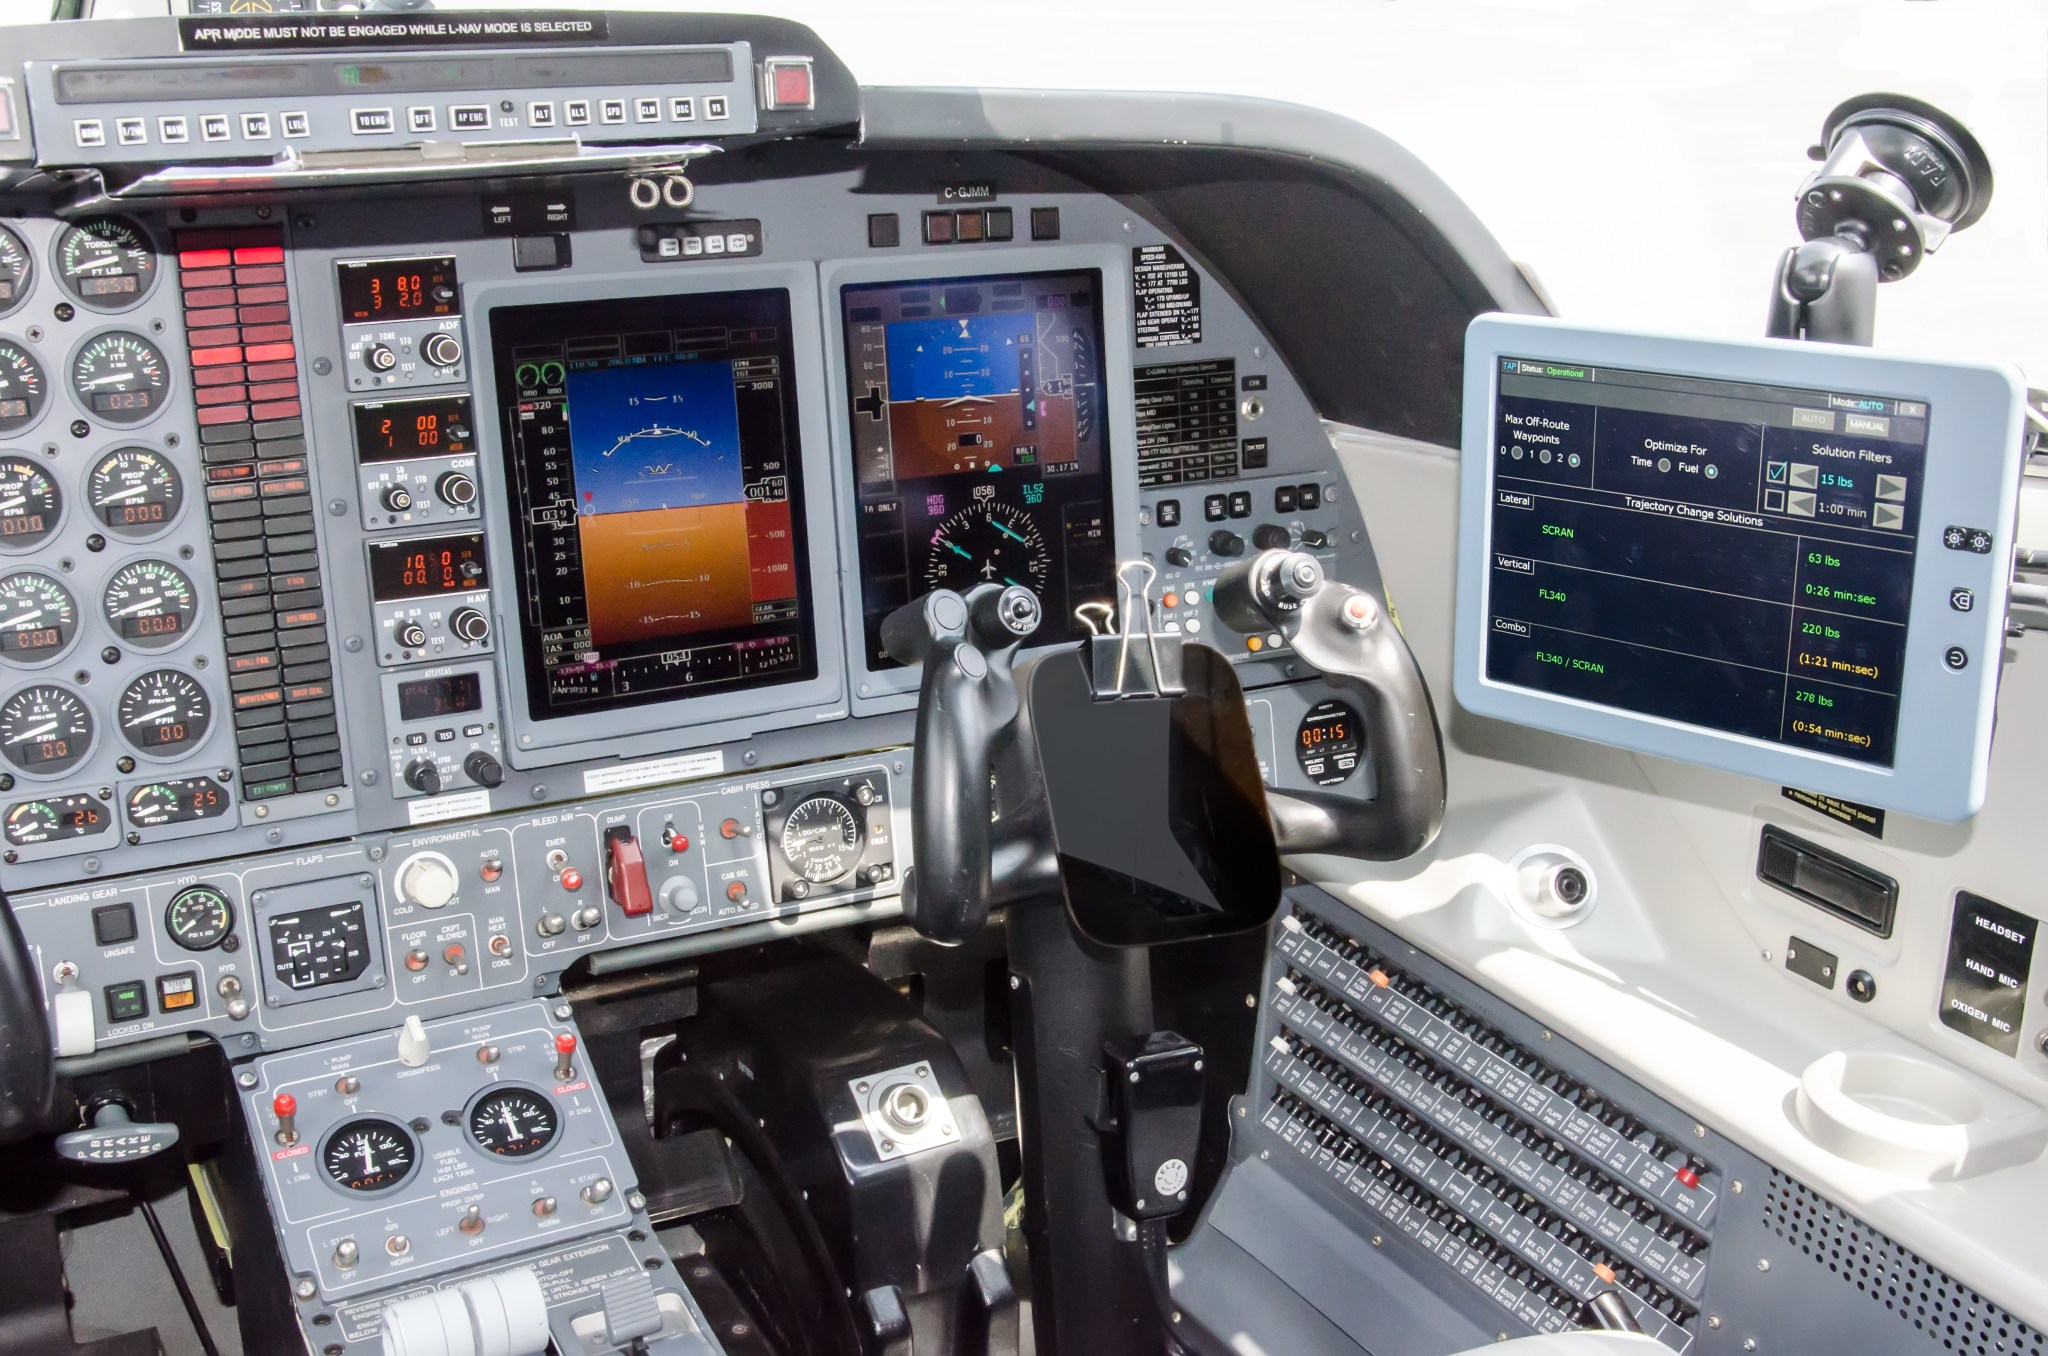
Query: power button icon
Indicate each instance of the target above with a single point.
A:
(1962, 600)
(1957, 658)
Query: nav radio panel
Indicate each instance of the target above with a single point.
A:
(1779, 559)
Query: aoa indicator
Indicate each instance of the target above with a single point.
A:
(45, 730)
(120, 377)
(31, 823)
(17, 271)
(199, 918)
(134, 491)
(22, 388)
(37, 618)
(150, 604)
(988, 543)
(821, 839)
(512, 1122)
(107, 263)
(369, 1154)
(165, 713)
(30, 502)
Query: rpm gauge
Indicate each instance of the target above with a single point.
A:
(513, 1122)
(37, 618)
(369, 1154)
(821, 839)
(988, 543)
(120, 377)
(164, 712)
(106, 263)
(45, 730)
(134, 491)
(22, 389)
(150, 604)
(17, 271)
(30, 502)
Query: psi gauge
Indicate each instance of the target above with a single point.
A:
(199, 918)
(106, 263)
(150, 604)
(29, 502)
(120, 377)
(45, 730)
(134, 491)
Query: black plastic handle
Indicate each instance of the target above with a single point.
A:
(1345, 633)
(966, 708)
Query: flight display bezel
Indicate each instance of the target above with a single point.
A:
(686, 718)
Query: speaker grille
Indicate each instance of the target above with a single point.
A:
(1947, 1313)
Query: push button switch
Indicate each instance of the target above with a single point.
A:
(113, 924)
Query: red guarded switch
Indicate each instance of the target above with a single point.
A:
(1687, 1178)
(625, 875)
(565, 1050)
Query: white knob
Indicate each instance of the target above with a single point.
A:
(413, 1049)
(427, 879)
(501, 1315)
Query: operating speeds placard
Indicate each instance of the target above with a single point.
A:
(1730, 555)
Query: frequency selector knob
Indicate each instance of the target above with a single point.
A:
(1272, 537)
(1179, 557)
(423, 776)
(1224, 542)
(483, 769)
(469, 625)
(380, 358)
(397, 498)
(411, 635)
(456, 489)
(442, 350)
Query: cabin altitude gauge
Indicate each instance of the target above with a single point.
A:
(821, 839)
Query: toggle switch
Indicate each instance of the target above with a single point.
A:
(598, 1192)
(413, 1048)
(625, 877)
(285, 1107)
(572, 880)
(565, 1049)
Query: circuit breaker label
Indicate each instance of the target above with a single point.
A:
(1167, 297)
(1984, 985)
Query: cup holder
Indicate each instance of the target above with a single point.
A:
(1892, 1106)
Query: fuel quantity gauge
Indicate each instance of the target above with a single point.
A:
(512, 1121)
(369, 1154)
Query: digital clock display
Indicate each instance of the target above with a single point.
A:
(397, 289)
(426, 566)
(1328, 743)
(395, 430)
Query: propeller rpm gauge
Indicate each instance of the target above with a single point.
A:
(988, 543)
(513, 1122)
(120, 377)
(134, 491)
(369, 1154)
(822, 839)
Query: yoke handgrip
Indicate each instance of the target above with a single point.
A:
(1344, 633)
(967, 706)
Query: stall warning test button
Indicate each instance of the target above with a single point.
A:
(1957, 658)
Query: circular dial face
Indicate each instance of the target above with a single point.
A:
(45, 729)
(513, 1122)
(29, 502)
(164, 713)
(106, 263)
(822, 838)
(37, 618)
(17, 270)
(21, 387)
(120, 377)
(988, 543)
(199, 919)
(369, 1154)
(150, 604)
(1328, 743)
(134, 491)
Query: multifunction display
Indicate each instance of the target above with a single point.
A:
(652, 454)
(1722, 554)
(980, 442)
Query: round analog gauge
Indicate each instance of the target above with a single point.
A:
(369, 1154)
(513, 1122)
(30, 502)
(21, 387)
(150, 604)
(106, 263)
(199, 918)
(988, 543)
(120, 377)
(822, 839)
(17, 270)
(134, 491)
(37, 618)
(164, 713)
(45, 730)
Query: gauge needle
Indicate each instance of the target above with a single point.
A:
(28, 617)
(511, 1126)
(137, 607)
(14, 503)
(1006, 532)
(118, 495)
(148, 717)
(957, 550)
(111, 379)
(369, 1156)
(48, 727)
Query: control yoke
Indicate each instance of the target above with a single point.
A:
(1344, 633)
(966, 708)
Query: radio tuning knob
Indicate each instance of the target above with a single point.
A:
(442, 350)
(1272, 537)
(1224, 542)
(456, 489)
(380, 358)
(483, 769)
(1179, 557)
(423, 776)
(397, 498)
(411, 635)
(469, 625)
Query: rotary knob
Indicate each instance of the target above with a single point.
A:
(1179, 557)
(481, 768)
(427, 879)
(457, 489)
(1272, 537)
(469, 625)
(411, 635)
(442, 350)
(397, 498)
(423, 776)
(380, 357)
(1224, 542)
